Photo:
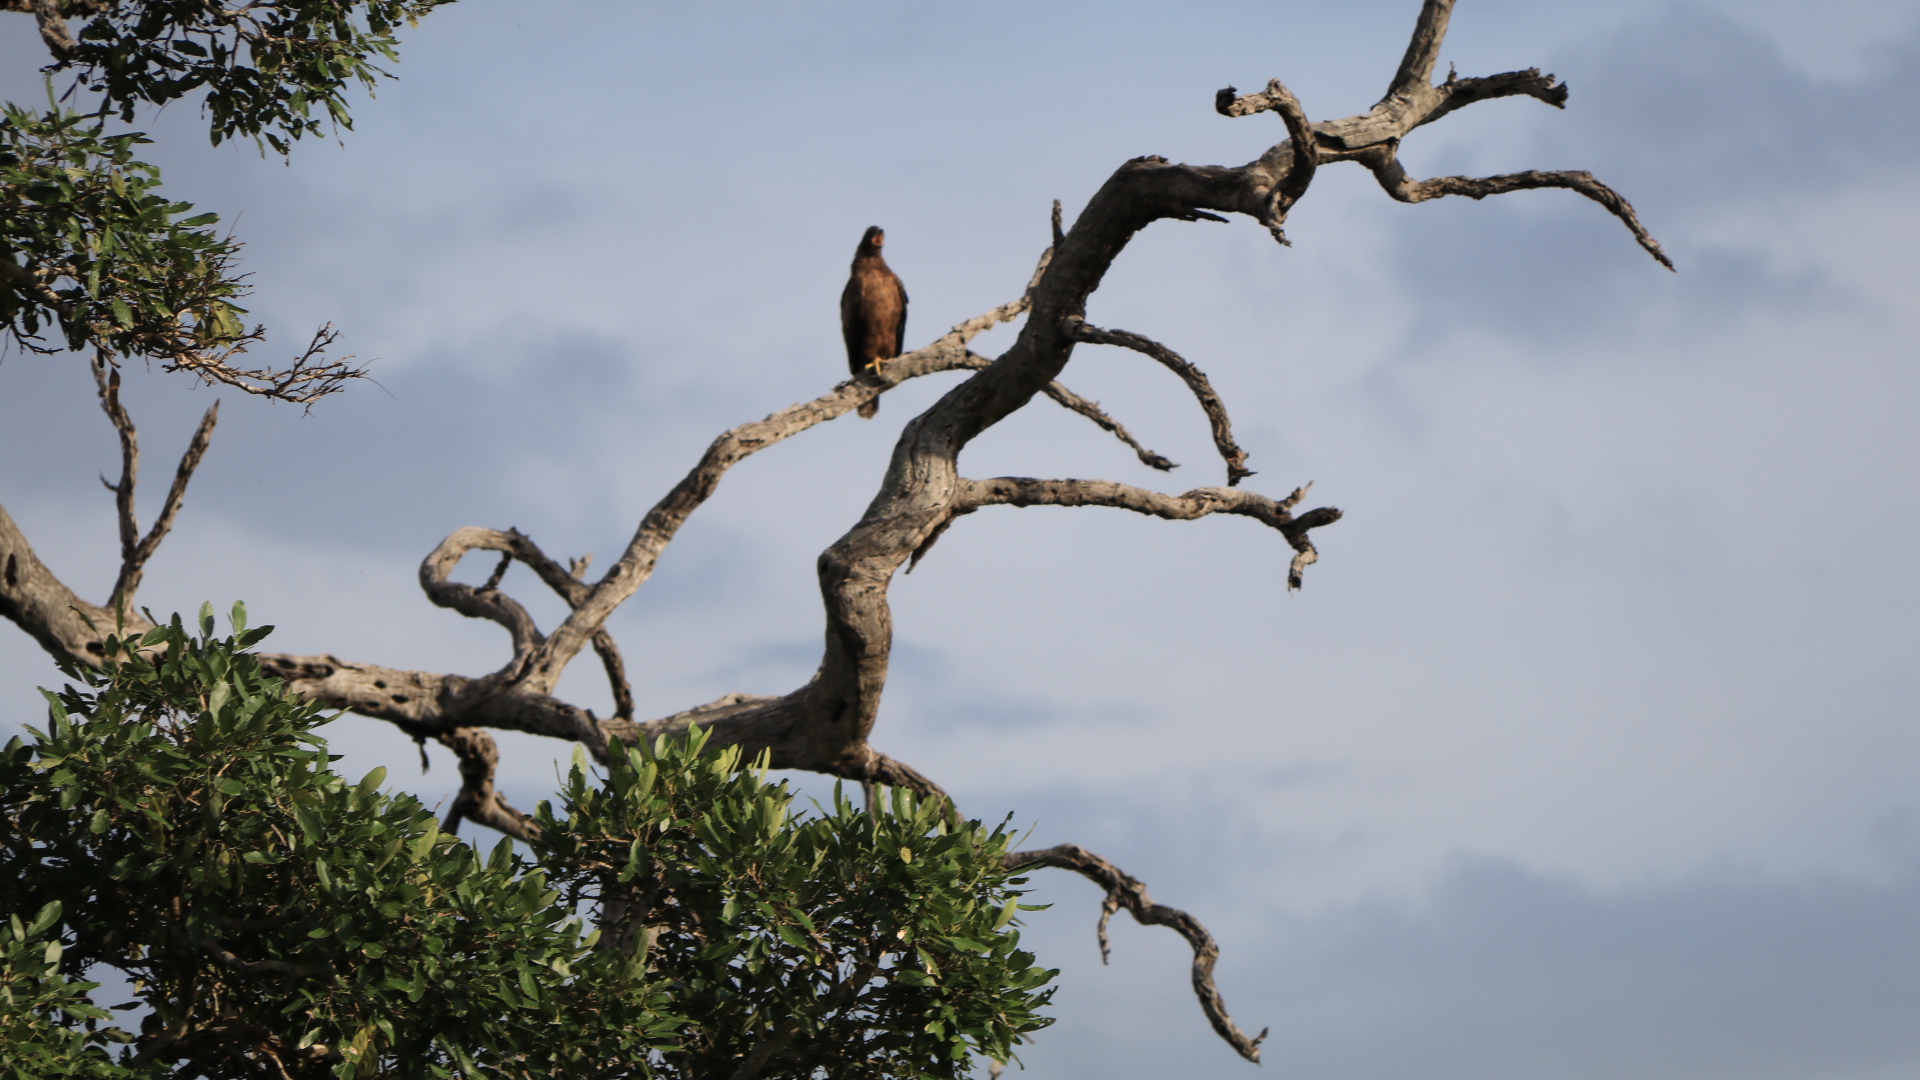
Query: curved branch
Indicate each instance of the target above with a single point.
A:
(1125, 890)
(1303, 148)
(1074, 403)
(1458, 93)
(487, 601)
(479, 801)
(1393, 177)
(1196, 381)
(1274, 513)
(663, 522)
(66, 626)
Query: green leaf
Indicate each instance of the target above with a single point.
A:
(371, 782)
(48, 915)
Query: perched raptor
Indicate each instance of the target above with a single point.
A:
(873, 311)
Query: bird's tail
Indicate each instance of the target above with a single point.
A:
(866, 411)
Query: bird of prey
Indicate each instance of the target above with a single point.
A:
(873, 311)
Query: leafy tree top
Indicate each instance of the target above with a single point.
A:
(178, 820)
(274, 70)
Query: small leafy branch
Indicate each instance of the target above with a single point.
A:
(95, 256)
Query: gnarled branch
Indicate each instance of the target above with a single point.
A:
(1393, 177)
(1274, 513)
(1126, 891)
(479, 801)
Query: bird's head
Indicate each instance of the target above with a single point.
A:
(874, 239)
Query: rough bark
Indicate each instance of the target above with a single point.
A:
(825, 724)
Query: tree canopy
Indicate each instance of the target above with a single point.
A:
(177, 821)
(89, 248)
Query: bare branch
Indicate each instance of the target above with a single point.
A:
(66, 626)
(663, 522)
(107, 382)
(1303, 148)
(478, 800)
(1073, 402)
(53, 28)
(1429, 32)
(1125, 890)
(1196, 381)
(486, 602)
(134, 565)
(1393, 177)
(311, 376)
(1457, 93)
(1274, 513)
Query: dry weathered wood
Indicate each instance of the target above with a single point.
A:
(1125, 890)
(1198, 503)
(1074, 403)
(825, 724)
(1195, 379)
(135, 549)
(479, 801)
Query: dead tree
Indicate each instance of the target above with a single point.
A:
(826, 724)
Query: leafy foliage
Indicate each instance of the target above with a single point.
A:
(48, 1027)
(87, 244)
(272, 69)
(100, 254)
(178, 821)
(868, 945)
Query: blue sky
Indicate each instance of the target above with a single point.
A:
(1588, 749)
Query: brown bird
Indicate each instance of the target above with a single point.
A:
(873, 311)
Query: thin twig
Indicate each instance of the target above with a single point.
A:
(1195, 379)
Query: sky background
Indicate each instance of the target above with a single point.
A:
(1588, 750)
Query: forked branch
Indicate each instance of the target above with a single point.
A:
(136, 550)
(311, 376)
(479, 801)
(1126, 891)
(1274, 513)
(1196, 381)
